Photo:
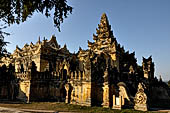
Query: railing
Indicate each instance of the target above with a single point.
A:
(23, 75)
(78, 75)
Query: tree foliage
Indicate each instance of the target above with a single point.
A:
(16, 11)
(2, 42)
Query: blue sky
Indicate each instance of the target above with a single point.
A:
(142, 26)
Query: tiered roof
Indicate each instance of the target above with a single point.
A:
(104, 39)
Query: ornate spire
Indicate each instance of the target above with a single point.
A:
(104, 19)
(39, 39)
(65, 46)
(160, 78)
(38, 42)
(103, 39)
(80, 48)
(31, 44)
(104, 29)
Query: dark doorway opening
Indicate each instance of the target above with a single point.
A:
(64, 74)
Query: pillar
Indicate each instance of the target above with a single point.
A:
(117, 105)
(75, 98)
(71, 75)
(83, 75)
(79, 75)
(106, 96)
(75, 74)
(67, 87)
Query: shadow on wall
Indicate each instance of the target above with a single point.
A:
(8, 83)
(22, 96)
(47, 91)
(160, 97)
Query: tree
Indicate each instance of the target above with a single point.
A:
(17, 11)
(2, 42)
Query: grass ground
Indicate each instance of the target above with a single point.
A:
(66, 107)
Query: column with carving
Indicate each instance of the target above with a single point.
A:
(68, 93)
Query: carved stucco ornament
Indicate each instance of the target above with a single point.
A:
(141, 98)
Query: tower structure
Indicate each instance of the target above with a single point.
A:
(148, 68)
(105, 45)
(105, 42)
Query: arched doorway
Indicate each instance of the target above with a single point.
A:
(64, 74)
